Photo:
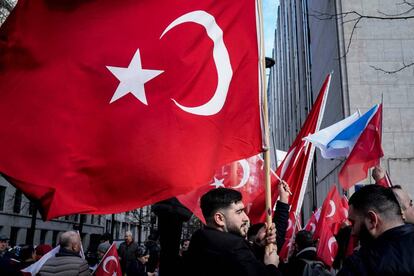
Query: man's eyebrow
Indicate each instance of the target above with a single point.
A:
(241, 209)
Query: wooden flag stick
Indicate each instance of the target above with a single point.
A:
(262, 72)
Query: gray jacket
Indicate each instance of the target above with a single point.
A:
(66, 263)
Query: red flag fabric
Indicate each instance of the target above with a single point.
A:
(327, 247)
(345, 206)
(109, 264)
(385, 181)
(246, 176)
(293, 227)
(296, 165)
(313, 221)
(365, 154)
(332, 214)
(105, 107)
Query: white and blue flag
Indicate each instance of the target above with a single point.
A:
(339, 139)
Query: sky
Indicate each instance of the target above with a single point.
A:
(269, 17)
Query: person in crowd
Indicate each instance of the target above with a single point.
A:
(27, 256)
(67, 261)
(137, 267)
(184, 244)
(406, 203)
(304, 253)
(154, 249)
(221, 248)
(102, 248)
(41, 250)
(4, 245)
(281, 216)
(386, 241)
(100, 253)
(404, 199)
(127, 251)
(106, 237)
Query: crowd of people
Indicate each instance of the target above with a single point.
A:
(380, 220)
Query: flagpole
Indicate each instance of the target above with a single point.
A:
(266, 144)
(312, 150)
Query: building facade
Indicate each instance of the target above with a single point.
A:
(314, 38)
(16, 218)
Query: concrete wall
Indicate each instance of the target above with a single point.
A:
(385, 44)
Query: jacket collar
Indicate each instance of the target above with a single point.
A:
(65, 252)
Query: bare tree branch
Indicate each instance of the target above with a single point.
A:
(405, 66)
(405, 2)
(356, 17)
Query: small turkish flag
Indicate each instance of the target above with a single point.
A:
(332, 213)
(107, 107)
(313, 221)
(245, 176)
(109, 265)
(327, 247)
(293, 227)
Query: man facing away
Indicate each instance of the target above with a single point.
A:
(386, 242)
(67, 261)
(221, 247)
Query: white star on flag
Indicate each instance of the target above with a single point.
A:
(132, 79)
(218, 183)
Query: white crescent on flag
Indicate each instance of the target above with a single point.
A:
(221, 60)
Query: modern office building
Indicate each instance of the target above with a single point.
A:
(314, 38)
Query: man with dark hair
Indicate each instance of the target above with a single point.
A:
(304, 253)
(386, 242)
(221, 247)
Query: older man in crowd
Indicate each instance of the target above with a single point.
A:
(67, 261)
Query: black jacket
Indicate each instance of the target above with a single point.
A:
(127, 253)
(213, 252)
(136, 268)
(280, 219)
(389, 254)
(296, 263)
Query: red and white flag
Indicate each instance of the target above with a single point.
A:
(327, 247)
(246, 176)
(108, 107)
(34, 268)
(109, 265)
(297, 163)
(365, 154)
(332, 213)
(293, 227)
(313, 221)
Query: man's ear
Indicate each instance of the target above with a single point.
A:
(219, 219)
(372, 220)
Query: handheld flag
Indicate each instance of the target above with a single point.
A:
(109, 264)
(365, 154)
(106, 108)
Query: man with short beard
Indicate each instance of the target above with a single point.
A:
(386, 242)
(221, 247)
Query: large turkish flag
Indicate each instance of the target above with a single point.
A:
(108, 106)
